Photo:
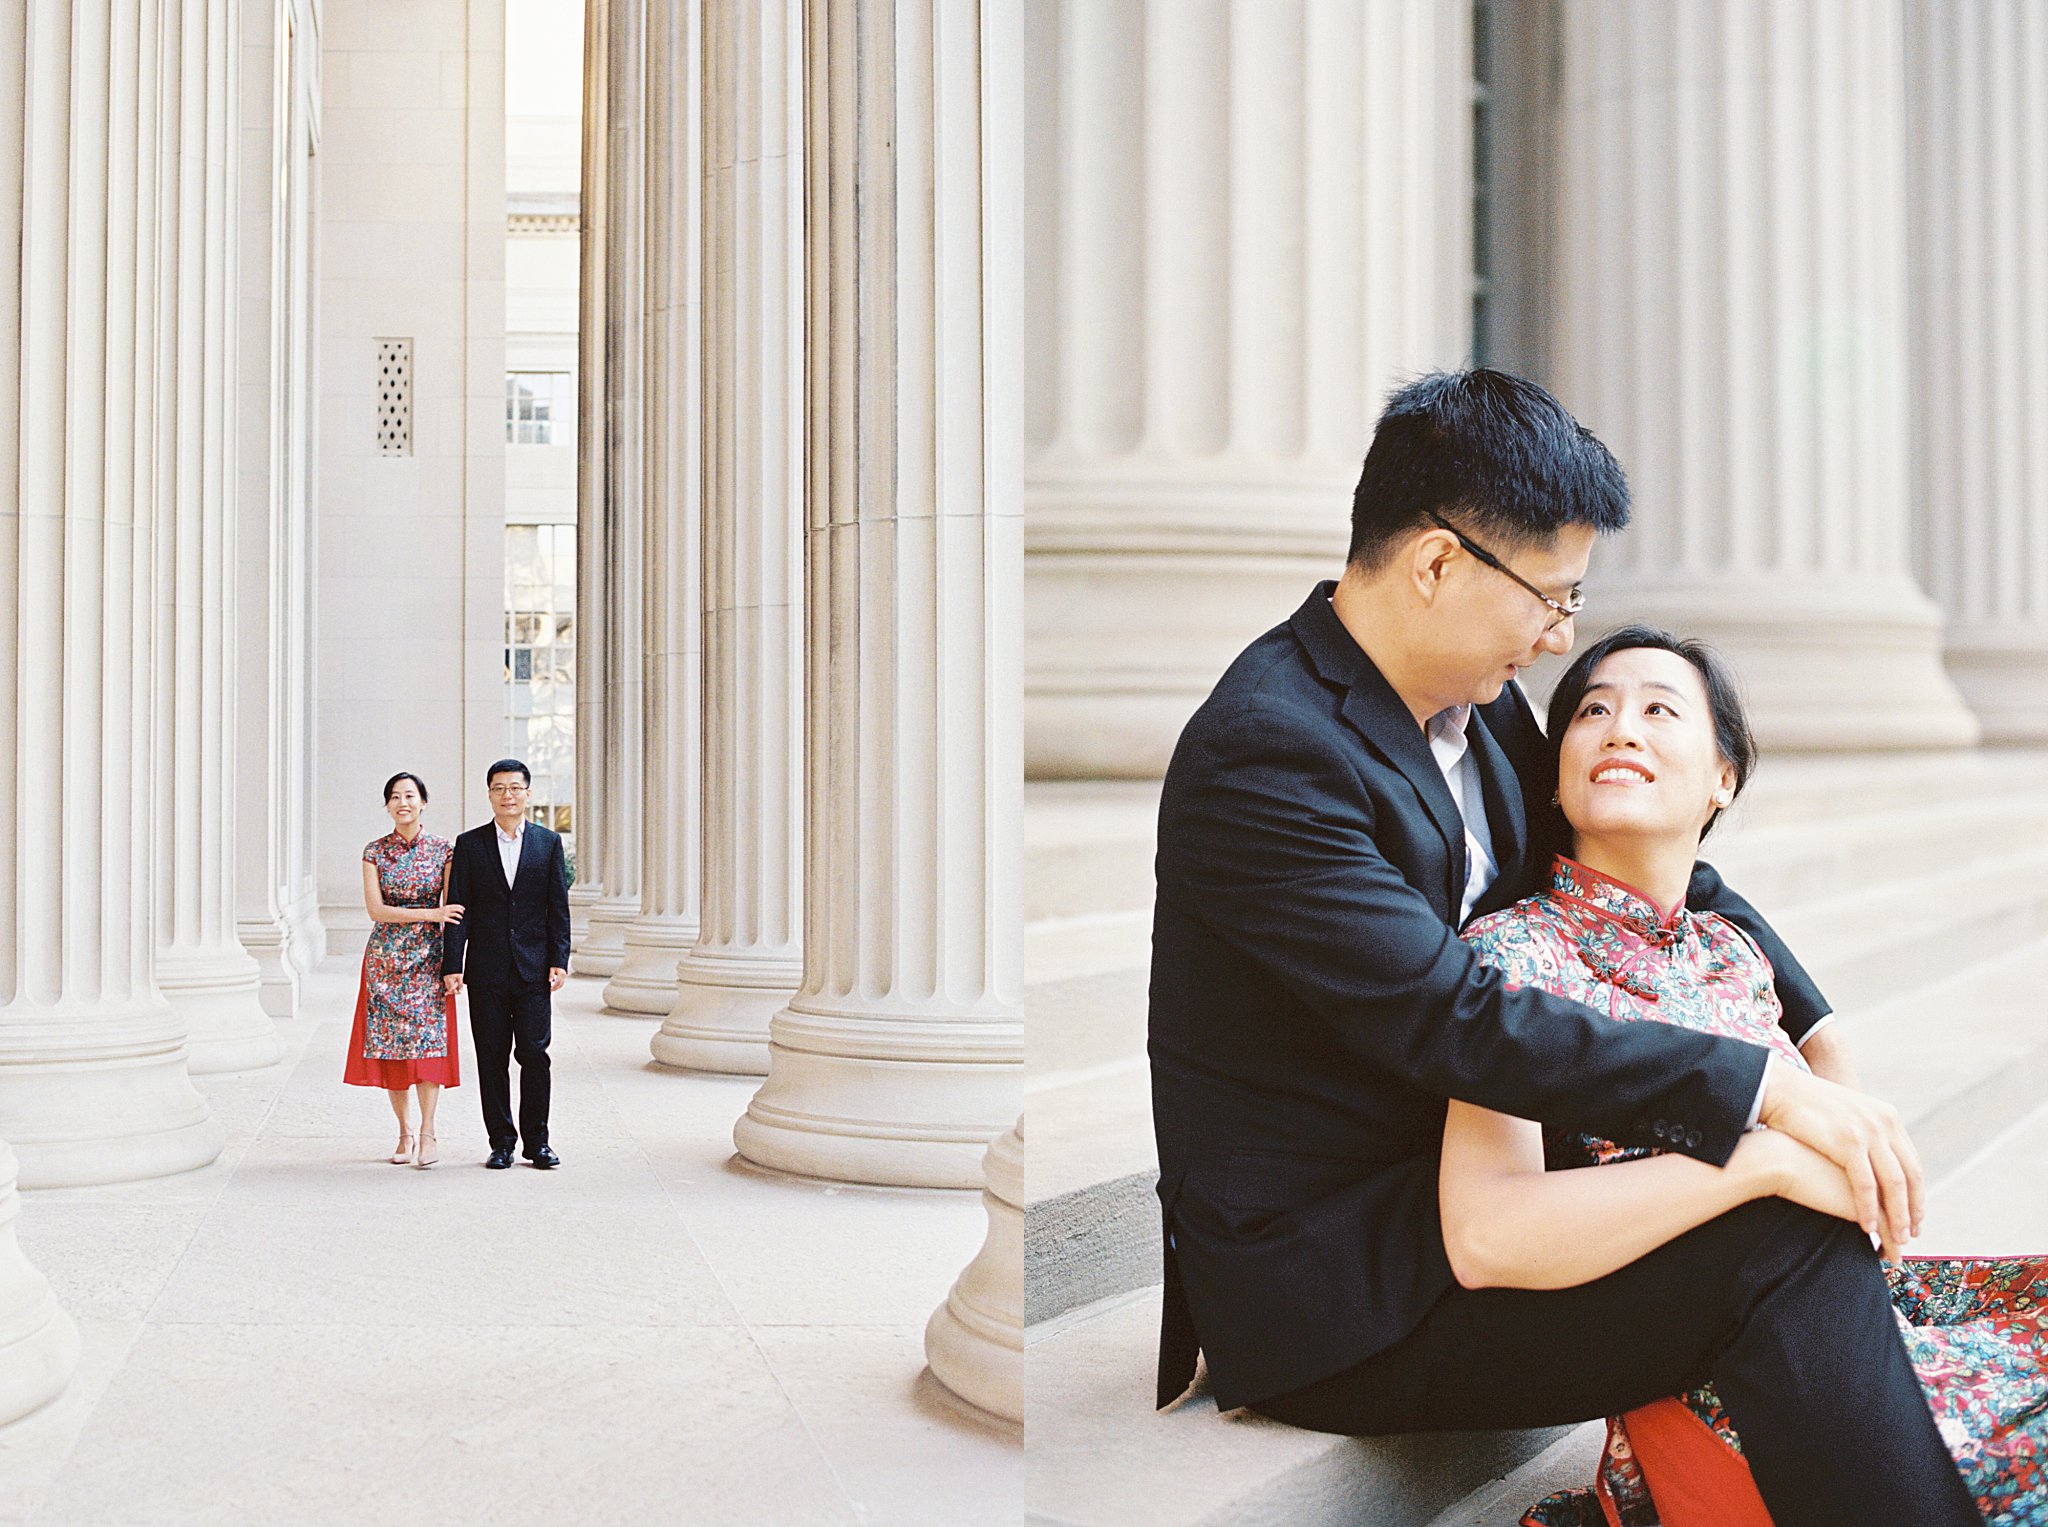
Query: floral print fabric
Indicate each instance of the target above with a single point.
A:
(406, 1018)
(1975, 1328)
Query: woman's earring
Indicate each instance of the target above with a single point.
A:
(1722, 799)
(1554, 800)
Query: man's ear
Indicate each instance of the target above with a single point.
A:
(1428, 560)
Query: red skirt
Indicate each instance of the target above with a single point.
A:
(397, 1075)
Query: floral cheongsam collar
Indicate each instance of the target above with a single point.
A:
(1614, 901)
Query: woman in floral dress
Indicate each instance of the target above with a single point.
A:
(404, 1035)
(1652, 746)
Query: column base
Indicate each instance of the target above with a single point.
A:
(975, 1340)
(603, 949)
(38, 1342)
(896, 1101)
(1121, 646)
(1829, 664)
(2003, 674)
(724, 1003)
(215, 993)
(269, 943)
(645, 981)
(96, 1097)
(581, 900)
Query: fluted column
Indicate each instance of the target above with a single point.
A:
(975, 1340)
(673, 660)
(592, 550)
(276, 898)
(38, 1342)
(901, 1056)
(1978, 215)
(93, 1082)
(748, 960)
(210, 978)
(1247, 221)
(1732, 321)
(622, 601)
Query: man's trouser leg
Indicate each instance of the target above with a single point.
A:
(532, 1022)
(1787, 1312)
(490, 1026)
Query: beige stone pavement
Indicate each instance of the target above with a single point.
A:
(303, 1333)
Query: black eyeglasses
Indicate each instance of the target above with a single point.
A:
(1564, 610)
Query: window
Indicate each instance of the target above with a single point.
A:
(540, 407)
(540, 666)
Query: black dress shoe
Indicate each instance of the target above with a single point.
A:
(545, 1157)
(500, 1158)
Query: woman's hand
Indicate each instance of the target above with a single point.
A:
(448, 912)
(1796, 1171)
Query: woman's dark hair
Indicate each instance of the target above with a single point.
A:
(1732, 736)
(1497, 455)
(419, 784)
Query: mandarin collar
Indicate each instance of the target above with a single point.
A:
(1616, 901)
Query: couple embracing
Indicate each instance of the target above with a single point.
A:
(1481, 1102)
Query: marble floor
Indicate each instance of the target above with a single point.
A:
(303, 1333)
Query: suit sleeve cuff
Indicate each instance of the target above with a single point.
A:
(1818, 1024)
(1756, 1109)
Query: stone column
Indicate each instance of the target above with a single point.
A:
(93, 1081)
(1978, 266)
(1247, 221)
(210, 978)
(1731, 319)
(591, 549)
(622, 692)
(38, 1342)
(901, 1056)
(673, 660)
(748, 960)
(276, 896)
(975, 1340)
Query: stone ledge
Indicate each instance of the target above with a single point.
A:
(1102, 1457)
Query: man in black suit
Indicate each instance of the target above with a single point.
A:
(512, 951)
(1363, 779)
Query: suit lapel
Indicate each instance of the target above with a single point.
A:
(529, 855)
(1502, 789)
(1385, 722)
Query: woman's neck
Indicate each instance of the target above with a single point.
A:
(1659, 870)
(410, 834)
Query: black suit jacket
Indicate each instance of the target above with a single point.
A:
(509, 935)
(1312, 1007)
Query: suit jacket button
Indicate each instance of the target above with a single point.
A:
(1659, 1129)
(1692, 1139)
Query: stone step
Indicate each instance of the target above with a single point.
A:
(1102, 1457)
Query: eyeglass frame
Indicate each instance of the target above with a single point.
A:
(1563, 611)
(526, 789)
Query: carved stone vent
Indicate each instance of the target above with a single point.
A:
(394, 397)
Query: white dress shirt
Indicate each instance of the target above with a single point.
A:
(508, 850)
(1453, 752)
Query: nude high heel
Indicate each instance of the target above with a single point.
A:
(405, 1150)
(426, 1155)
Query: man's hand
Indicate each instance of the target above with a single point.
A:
(556, 976)
(452, 984)
(1862, 1136)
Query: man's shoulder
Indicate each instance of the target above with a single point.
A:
(1271, 688)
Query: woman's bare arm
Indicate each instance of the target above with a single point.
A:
(380, 912)
(1827, 1056)
(1507, 1223)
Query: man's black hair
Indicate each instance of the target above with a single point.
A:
(419, 784)
(1494, 454)
(508, 766)
(1732, 734)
